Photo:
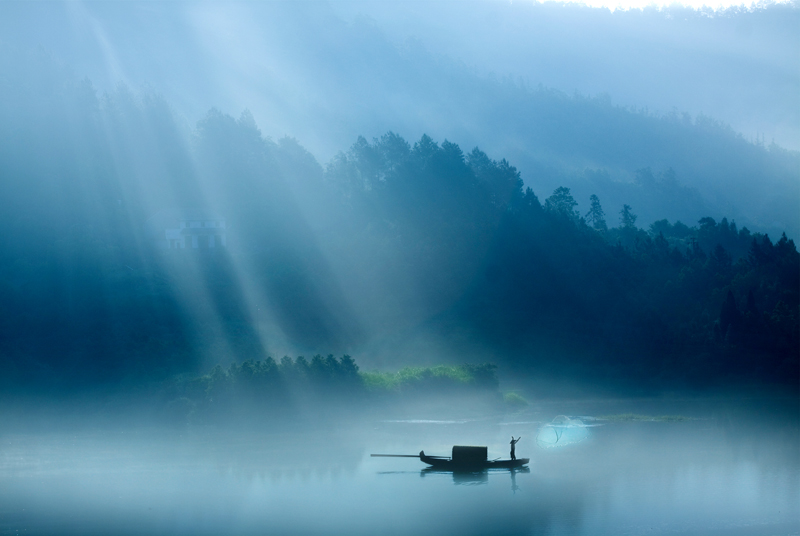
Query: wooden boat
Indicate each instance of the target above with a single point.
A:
(451, 464)
(463, 458)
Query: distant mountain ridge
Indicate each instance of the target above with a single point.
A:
(329, 72)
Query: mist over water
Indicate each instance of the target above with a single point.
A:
(731, 468)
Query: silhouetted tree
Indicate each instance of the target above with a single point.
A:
(596, 217)
(562, 202)
(627, 218)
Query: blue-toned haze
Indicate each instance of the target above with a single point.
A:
(247, 244)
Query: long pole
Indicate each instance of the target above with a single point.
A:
(404, 456)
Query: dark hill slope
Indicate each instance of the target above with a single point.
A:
(390, 244)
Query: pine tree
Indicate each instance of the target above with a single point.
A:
(596, 217)
(562, 202)
(627, 218)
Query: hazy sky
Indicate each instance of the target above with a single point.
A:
(696, 4)
(327, 72)
(741, 66)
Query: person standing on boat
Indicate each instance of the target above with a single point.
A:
(513, 446)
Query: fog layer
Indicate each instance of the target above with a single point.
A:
(469, 72)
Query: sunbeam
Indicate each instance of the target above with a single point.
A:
(367, 267)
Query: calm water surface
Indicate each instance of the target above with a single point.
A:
(733, 468)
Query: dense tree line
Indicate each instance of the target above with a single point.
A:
(389, 241)
(270, 387)
(569, 293)
(86, 296)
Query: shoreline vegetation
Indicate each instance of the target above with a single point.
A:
(269, 387)
(635, 417)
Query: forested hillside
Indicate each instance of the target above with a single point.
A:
(395, 252)
(561, 291)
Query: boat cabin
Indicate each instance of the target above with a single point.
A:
(469, 455)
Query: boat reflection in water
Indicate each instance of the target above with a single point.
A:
(476, 478)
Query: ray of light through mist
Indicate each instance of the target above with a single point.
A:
(370, 267)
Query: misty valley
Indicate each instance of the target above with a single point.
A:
(349, 267)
